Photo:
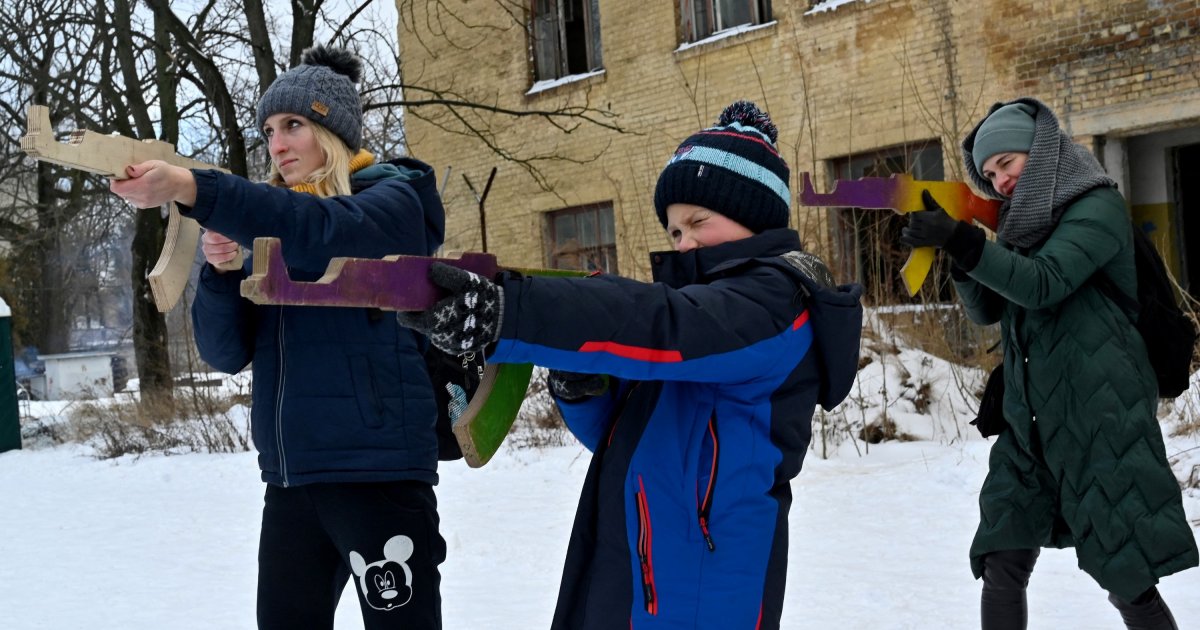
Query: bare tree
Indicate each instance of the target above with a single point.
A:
(39, 205)
(139, 68)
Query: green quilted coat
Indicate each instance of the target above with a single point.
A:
(1083, 464)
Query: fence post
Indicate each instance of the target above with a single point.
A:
(10, 420)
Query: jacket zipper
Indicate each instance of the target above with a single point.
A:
(706, 503)
(620, 409)
(279, 405)
(644, 549)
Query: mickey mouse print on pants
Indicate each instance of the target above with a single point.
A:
(377, 581)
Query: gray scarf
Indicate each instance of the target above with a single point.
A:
(1056, 172)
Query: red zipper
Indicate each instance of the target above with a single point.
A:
(644, 549)
(705, 506)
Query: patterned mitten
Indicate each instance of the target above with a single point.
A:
(465, 321)
(573, 386)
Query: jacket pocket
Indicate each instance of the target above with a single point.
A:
(370, 408)
(645, 549)
(706, 481)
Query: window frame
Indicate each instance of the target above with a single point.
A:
(701, 19)
(554, 54)
(597, 253)
(853, 230)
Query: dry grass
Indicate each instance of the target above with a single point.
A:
(196, 420)
(945, 332)
(539, 424)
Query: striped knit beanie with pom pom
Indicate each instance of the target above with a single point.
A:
(732, 168)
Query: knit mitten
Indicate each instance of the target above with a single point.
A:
(466, 320)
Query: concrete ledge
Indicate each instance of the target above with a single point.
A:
(1136, 117)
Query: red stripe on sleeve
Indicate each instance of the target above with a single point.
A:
(633, 352)
(801, 320)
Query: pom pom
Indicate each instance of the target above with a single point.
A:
(750, 115)
(339, 60)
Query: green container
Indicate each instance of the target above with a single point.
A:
(10, 418)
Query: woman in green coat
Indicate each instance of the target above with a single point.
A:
(1084, 464)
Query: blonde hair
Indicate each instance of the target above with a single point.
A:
(333, 178)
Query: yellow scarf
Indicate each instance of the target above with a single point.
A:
(361, 160)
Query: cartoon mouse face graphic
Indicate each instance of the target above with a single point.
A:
(386, 584)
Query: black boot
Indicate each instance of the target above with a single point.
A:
(1147, 611)
(1002, 605)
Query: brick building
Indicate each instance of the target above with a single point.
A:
(856, 87)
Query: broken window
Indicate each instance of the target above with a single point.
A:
(702, 18)
(582, 238)
(566, 38)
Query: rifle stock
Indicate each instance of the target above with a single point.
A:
(108, 155)
(902, 194)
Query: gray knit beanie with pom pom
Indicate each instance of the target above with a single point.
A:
(321, 89)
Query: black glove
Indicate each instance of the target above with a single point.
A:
(465, 321)
(573, 386)
(929, 228)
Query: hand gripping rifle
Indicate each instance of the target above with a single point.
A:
(902, 193)
(108, 156)
(401, 283)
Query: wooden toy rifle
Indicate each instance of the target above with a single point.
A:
(902, 193)
(108, 156)
(401, 283)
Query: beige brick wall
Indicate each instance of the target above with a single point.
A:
(866, 76)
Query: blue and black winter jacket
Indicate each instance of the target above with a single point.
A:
(683, 518)
(339, 394)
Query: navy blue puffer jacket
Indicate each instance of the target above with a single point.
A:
(339, 394)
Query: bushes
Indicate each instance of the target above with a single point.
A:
(197, 419)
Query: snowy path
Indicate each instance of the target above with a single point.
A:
(878, 543)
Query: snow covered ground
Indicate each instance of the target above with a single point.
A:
(879, 534)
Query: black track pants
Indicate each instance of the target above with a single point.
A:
(382, 536)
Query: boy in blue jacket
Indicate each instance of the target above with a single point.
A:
(695, 392)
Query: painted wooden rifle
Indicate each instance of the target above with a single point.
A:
(108, 155)
(401, 283)
(902, 194)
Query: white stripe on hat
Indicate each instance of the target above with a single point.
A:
(738, 164)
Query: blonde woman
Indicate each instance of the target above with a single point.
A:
(343, 412)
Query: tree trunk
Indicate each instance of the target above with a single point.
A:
(150, 336)
(52, 319)
(304, 21)
(260, 44)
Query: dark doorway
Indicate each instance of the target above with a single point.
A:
(1187, 212)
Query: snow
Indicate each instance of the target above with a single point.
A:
(879, 532)
(725, 34)
(550, 84)
(829, 5)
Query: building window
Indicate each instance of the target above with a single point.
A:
(702, 18)
(867, 241)
(582, 238)
(566, 37)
